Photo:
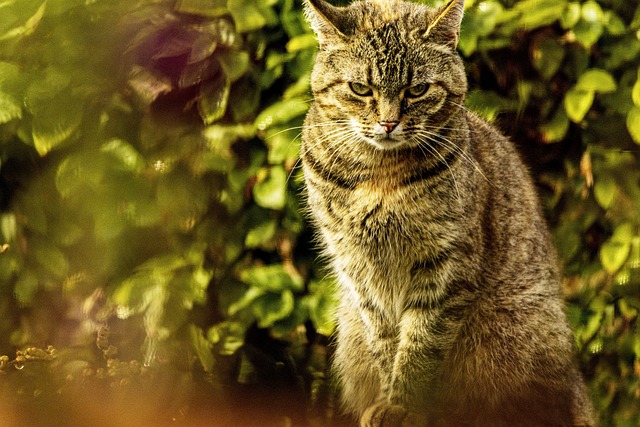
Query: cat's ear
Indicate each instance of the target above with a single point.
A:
(332, 24)
(445, 27)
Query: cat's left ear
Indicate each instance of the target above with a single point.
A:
(332, 24)
(445, 27)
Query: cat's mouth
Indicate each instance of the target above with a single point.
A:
(388, 143)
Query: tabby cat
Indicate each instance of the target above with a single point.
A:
(451, 312)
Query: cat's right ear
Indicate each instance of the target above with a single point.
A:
(331, 24)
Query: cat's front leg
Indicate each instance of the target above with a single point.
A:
(384, 414)
(425, 339)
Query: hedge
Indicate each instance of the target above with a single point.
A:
(155, 262)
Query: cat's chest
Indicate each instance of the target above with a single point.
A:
(381, 216)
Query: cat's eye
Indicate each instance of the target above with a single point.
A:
(417, 90)
(360, 89)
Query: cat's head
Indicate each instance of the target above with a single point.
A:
(388, 70)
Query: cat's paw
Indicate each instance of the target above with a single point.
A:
(384, 414)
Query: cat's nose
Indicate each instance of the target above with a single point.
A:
(389, 126)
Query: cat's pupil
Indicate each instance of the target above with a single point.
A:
(360, 89)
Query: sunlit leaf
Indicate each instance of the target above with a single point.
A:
(8, 72)
(45, 89)
(201, 347)
(635, 92)
(54, 123)
(536, 13)
(590, 27)
(260, 234)
(283, 144)
(613, 255)
(127, 156)
(8, 226)
(633, 123)
(270, 308)
(28, 28)
(202, 7)
(148, 84)
(272, 278)
(9, 108)
(228, 336)
(246, 300)
(614, 24)
(570, 15)
(234, 64)
(213, 98)
(322, 303)
(303, 41)
(577, 103)
(605, 190)
(250, 15)
(556, 128)
(76, 172)
(271, 193)
(280, 112)
(596, 80)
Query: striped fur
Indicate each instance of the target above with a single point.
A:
(450, 312)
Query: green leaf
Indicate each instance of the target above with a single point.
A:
(271, 192)
(537, 13)
(28, 28)
(260, 234)
(234, 63)
(547, 56)
(246, 300)
(596, 80)
(8, 72)
(633, 123)
(614, 24)
(283, 144)
(26, 287)
(52, 259)
(148, 84)
(570, 15)
(213, 98)
(635, 93)
(270, 308)
(489, 104)
(272, 278)
(281, 112)
(556, 128)
(624, 233)
(605, 190)
(301, 42)
(251, 15)
(75, 172)
(613, 255)
(55, 123)
(126, 155)
(322, 303)
(227, 336)
(201, 347)
(577, 103)
(212, 8)
(590, 27)
(8, 226)
(9, 108)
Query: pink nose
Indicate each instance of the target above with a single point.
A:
(389, 126)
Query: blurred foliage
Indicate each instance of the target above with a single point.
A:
(152, 241)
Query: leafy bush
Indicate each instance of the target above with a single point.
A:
(150, 215)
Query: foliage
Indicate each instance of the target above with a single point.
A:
(148, 154)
